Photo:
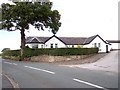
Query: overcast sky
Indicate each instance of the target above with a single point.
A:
(80, 18)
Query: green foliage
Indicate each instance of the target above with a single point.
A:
(22, 14)
(78, 46)
(5, 49)
(53, 52)
(8, 53)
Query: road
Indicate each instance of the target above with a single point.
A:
(108, 63)
(45, 75)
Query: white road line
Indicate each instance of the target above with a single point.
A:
(8, 62)
(14, 64)
(11, 63)
(40, 69)
(90, 84)
(14, 84)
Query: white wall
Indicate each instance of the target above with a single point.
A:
(115, 45)
(110, 47)
(97, 40)
(75, 46)
(54, 41)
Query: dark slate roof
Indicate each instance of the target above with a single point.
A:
(73, 40)
(65, 40)
(113, 41)
(36, 39)
(28, 39)
(43, 39)
(90, 39)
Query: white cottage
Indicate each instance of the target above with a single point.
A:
(69, 42)
(97, 41)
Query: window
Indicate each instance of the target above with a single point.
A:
(43, 3)
(56, 45)
(35, 46)
(41, 46)
(72, 46)
(95, 44)
(66, 46)
(99, 45)
(51, 45)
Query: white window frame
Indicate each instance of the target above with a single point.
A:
(34, 45)
(42, 46)
(56, 45)
(99, 44)
(95, 45)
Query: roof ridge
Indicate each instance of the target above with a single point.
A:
(85, 40)
(38, 39)
(90, 37)
(32, 39)
(73, 37)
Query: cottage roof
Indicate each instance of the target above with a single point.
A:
(28, 39)
(36, 39)
(113, 41)
(73, 40)
(65, 40)
(90, 39)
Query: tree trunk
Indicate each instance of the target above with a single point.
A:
(22, 43)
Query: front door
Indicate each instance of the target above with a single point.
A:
(106, 48)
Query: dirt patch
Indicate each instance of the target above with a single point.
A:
(89, 59)
(68, 60)
(53, 59)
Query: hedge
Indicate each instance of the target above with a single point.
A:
(8, 53)
(53, 52)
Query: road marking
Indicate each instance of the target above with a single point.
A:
(13, 83)
(40, 69)
(8, 62)
(90, 84)
(11, 63)
(14, 64)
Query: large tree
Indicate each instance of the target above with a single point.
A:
(21, 15)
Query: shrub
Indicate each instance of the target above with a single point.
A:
(53, 52)
(8, 53)
(5, 49)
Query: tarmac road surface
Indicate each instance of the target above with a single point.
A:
(45, 75)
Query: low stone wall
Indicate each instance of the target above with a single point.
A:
(46, 58)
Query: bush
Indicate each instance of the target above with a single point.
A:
(8, 53)
(53, 52)
(5, 49)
